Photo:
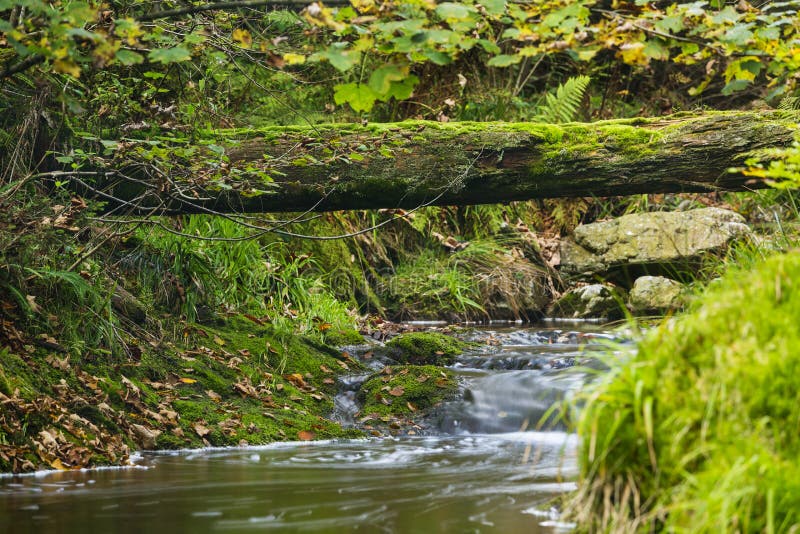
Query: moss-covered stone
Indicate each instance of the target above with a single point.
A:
(339, 337)
(594, 300)
(650, 241)
(406, 390)
(426, 348)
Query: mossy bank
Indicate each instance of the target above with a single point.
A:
(232, 384)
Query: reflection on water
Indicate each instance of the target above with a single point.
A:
(431, 484)
(466, 479)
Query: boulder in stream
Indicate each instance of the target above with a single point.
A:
(656, 294)
(594, 300)
(649, 243)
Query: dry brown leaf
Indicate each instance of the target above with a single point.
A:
(145, 436)
(32, 303)
(305, 435)
(397, 391)
(201, 430)
(213, 395)
(296, 379)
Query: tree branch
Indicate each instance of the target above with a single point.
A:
(229, 6)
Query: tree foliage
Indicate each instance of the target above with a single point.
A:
(738, 42)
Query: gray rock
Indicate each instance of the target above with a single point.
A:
(595, 300)
(650, 239)
(656, 294)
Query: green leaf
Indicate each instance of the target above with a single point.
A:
(733, 86)
(359, 96)
(169, 55)
(494, 7)
(489, 46)
(128, 57)
(403, 89)
(381, 79)
(342, 60)
(655, 49)
(670, 24)
(452, 11)
(738, 35)
(504, 60)
(439, 58)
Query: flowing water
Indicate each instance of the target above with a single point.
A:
(480, 467)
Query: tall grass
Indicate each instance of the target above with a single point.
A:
(234, 274)
(699, 431)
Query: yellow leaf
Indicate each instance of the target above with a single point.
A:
(67, 66)
(56, 464)
(188, 380)
(363, 6)
(294, 59)
(242, 37)
(219, 341)
(633, 54)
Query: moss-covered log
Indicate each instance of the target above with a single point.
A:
(403, 165)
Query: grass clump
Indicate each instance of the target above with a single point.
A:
(698, 431)
(426, 348)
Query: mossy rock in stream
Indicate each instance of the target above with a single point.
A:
(406, 390)
(340, 337)
(426, 348)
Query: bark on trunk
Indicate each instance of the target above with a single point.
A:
(404, 165)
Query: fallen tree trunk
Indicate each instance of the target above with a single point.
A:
(404, 165)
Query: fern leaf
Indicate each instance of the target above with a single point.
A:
(789, 103)
(565, 103)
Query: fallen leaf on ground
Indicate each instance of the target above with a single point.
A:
(305, 435)
(201, 430)
(397, 391)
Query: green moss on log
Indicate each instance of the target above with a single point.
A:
(403, 165)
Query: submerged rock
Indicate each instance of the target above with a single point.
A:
(656, 294)
(650, 242)
(595, 300)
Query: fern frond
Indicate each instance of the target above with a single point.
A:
(564, 104)
(789, 103)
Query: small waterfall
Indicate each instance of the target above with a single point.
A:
(508, 401)
(514, 386)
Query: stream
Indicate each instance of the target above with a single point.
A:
(481, 465)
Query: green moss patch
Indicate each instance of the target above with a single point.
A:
(406, 390)
(426, 348)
